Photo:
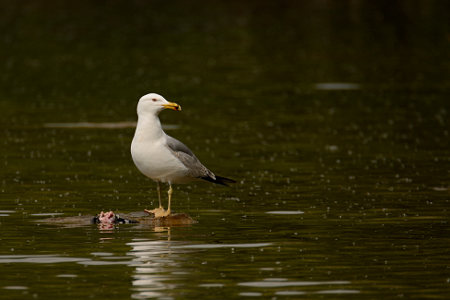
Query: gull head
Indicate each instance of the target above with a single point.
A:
(153, 104)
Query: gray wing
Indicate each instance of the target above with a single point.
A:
(185, 155)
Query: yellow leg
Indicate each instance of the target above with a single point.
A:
(160, 212)
(169, 193)
(158, 189)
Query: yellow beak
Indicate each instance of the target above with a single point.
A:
(172, 105)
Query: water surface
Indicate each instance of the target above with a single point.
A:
(332, 117)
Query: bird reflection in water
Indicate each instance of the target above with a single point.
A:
(155, 265)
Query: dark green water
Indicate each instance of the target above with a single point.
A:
(332, 117)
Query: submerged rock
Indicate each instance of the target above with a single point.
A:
(110, 219)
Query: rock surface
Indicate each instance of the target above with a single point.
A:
(142, 218)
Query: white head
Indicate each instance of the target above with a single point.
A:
(153, 104)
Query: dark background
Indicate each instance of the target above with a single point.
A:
(60, 55)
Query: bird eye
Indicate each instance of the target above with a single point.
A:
(154, 100)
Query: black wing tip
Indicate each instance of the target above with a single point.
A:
(219, 180)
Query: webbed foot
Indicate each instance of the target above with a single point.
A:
(159, 212)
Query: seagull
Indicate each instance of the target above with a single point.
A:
(161, 157)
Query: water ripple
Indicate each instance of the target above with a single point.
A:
(51, 259)
(285, 212)
(215, 246)
(337, 86)
(39, 259)
(46, 214)
(101, 125)
(5, 213)
(15, 287)
(277, 283)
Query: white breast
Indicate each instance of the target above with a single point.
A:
(155, 160)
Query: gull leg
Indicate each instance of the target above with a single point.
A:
(158, 212)
(169, 193)
(158, 188)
